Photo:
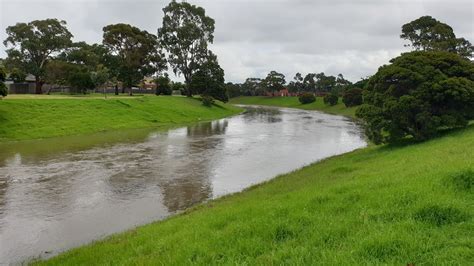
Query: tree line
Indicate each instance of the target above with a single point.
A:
(127, 54)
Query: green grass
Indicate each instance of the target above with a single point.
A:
(292, 102)
(380, 205)
(25, 117)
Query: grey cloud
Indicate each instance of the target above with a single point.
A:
(255, 36)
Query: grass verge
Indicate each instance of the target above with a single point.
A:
(34, 117)
(380, 205)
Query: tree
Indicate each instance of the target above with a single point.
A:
(209, 80)
(274, 81)
(418, 94)
(233, 89)
(309, 82)
(307, 98)
(428, 34)
(252, 87)
(34, 43)
(325, 83)
(3, 87)
(163, 85)
(297, 84)
(331, 99)
(352, 97)
(136, 53)
(185, 34)
(17, 75)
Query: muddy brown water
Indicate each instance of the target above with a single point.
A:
(59, 193)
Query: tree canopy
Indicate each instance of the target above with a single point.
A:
(209, 80)
(418, 94)
(185, 35)
(136, 53)
(274, 81)
(34, 43)
(428, 34)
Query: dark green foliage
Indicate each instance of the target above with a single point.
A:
(307, 98)
(352, 97)
(233, 90)
(439, 216)
(417, 95)
(134, 53)
(331, 99)
(274, 81)
(163, 85)
(185, 34)
(207, 100)
(209, 80)
(34, 43)
(3, 87)
(17, 75)
(427, 33)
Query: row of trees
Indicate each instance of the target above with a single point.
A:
(44, 48)
(274, 81)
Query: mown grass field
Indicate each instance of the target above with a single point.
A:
(25, 117)
(292, 102)
(396, 205)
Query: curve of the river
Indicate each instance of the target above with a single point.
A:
(56, 194)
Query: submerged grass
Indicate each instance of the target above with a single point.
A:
(292, 102)
(403, 204)
(31, 117)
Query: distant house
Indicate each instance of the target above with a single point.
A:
(281, 93)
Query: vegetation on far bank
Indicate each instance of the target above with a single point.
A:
(28, 117)
(292, 102)
(406, 204)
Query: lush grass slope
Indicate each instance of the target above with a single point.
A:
(380, 205)
(293, 102)
(32, 117)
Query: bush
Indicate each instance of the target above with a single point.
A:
(417, 95)
(307, 98)
(331, 99)
(3, 87)
(352, 97)
(163, 85)
(207, 100)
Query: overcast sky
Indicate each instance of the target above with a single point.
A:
(253, 37)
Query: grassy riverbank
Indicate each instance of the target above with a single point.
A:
(292, 102)
(31, 117)
(388, 204)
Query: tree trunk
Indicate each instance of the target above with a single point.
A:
(116, 90)
(130, 92)
(39, 85)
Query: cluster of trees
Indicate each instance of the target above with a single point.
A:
(275, 81)
(44, 48)
(421, 92)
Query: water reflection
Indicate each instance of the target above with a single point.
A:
(56, 194)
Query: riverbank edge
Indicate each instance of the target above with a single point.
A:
(234, 111)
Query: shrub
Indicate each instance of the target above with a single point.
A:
(418, 94)
(352, 97)
(207, 100)
(163, 85)
(3, 87)
(306, 98)
(331, 99)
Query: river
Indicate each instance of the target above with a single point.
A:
(59, 193)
